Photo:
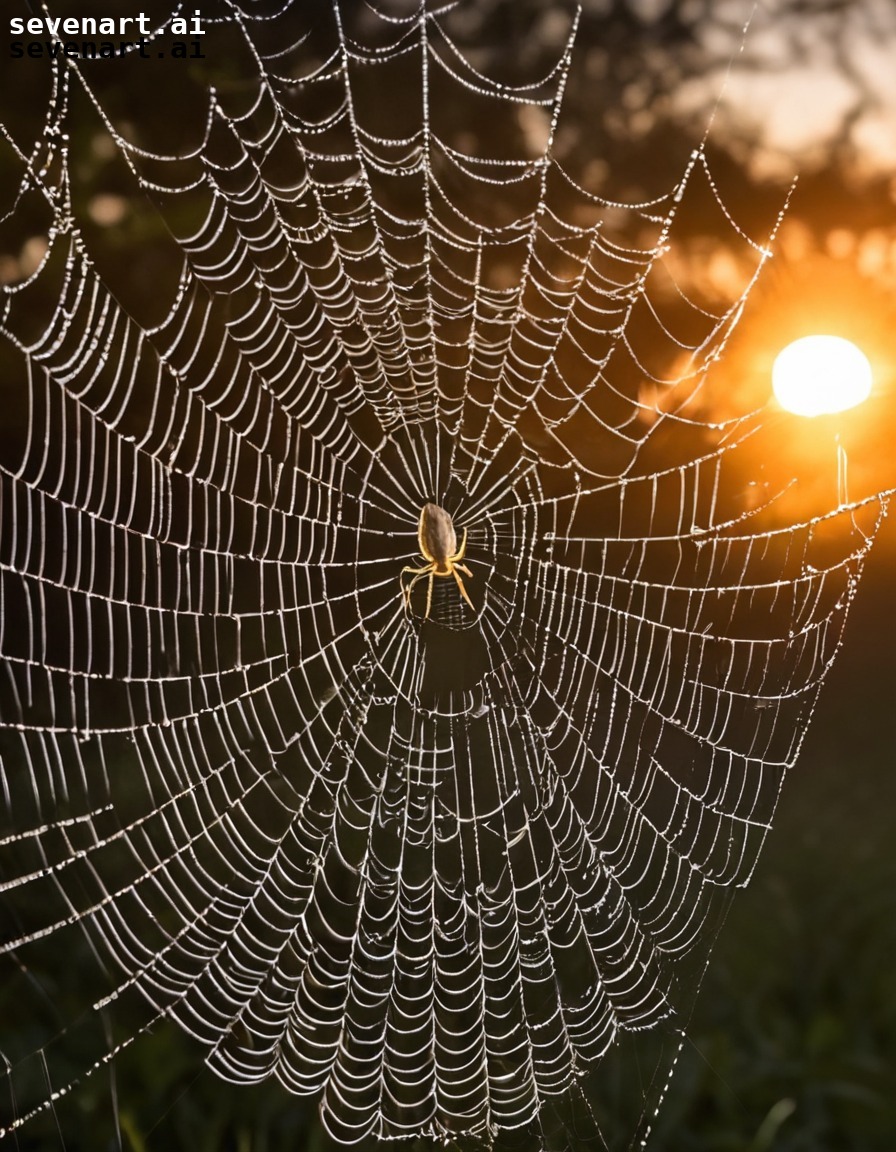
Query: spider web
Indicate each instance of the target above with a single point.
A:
(450, 875)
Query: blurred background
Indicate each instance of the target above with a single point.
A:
(792, 1046)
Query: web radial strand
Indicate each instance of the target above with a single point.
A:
(442, 871)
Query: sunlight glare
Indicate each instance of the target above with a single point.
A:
(817, 375)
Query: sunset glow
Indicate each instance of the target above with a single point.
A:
(818, 375)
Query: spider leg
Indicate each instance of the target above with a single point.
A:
(418, 574)
(460, 583)
(429, 594)
(459, 554)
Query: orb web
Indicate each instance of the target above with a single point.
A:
(450, 874)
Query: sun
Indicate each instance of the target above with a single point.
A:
(817, 375)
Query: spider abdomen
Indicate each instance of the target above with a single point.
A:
(438, 539)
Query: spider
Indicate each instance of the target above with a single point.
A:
(438, 546)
